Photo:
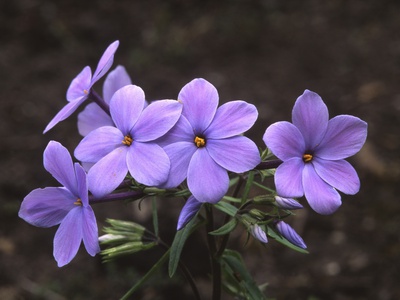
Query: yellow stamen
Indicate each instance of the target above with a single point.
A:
(85, 92)
(200, 142)
(127, 140)
(307, 157)
(78, 202)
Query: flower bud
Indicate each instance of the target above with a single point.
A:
(287, 203)
(290, 234)
(258, 233)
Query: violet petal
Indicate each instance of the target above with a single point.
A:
(310, 115)
(143, 166)
(126, 106)
(200, 101)
(68, 237)
(105, 176)
(105, 62)
(284, 140)
(344, 137)
(189, 210)
(322, 197)
(46, 207)
(90, 232)
(288, 178)
(156, 119)
(207, 181)
(232, 118)
(237, 154)
(338, 173)
(98, 144)
(58, 162)
(115, 80)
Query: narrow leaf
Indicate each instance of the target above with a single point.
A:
(178, 243)
(226, 228)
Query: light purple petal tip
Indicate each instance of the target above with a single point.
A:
(189, 210)
(105, 62)
(90, 232)
(290, 234)
(58, 162)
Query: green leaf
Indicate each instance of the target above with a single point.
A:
(232, 199)
(239, 278)
(226, 208)
(226, 228)
(178, 243)
(155, 268)
(284, 241)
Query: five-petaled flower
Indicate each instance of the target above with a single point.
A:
(313, 149)
(67, 206)
(130, 146)
(207, 142)
(81, 85)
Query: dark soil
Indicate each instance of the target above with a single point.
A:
(264, 52)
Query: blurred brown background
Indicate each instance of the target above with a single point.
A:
(264, 52)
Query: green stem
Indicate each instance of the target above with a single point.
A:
(215, 265)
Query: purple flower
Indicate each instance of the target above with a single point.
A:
(67, 206)
(206, 142)
(81, 85)
(290, 234)
(93, 117)
(313, 150)
(130, 145)
(258, 233)
(189, 210)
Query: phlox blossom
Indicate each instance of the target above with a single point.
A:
(313, 149)
(67, 206)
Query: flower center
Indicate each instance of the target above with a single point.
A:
(127, 140)
(85, 92)
(78, 202)
(199, 141)
(307, 157)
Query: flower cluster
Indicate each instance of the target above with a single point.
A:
(192, 148)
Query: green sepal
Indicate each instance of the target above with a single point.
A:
(126, 249)
(226, 228)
